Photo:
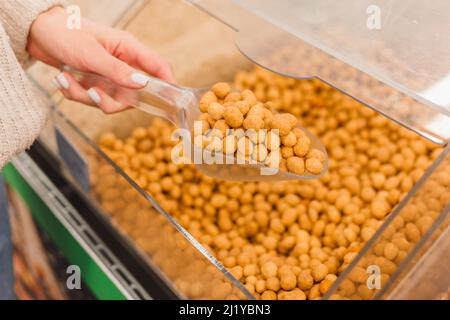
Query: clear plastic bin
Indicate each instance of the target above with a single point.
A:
(418, 228)
(391, 56)
(425, 276)
(202, 52)
(185, 265)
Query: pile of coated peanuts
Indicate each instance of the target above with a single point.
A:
(236, 123)
(282, 240)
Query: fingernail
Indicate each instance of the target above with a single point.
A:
(93, 94)
(56, 84)
(140, 78)
(62, 80)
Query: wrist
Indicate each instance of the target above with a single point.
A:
(47, 22)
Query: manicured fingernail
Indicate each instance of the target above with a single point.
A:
(56, 84)
(62, 80)
(140, 78)
(93, 94)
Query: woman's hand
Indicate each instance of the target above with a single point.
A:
(113, 54)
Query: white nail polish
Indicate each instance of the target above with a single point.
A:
(140, 78)
(62, 80)
(93, 94)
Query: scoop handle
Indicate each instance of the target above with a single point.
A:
(158, 98)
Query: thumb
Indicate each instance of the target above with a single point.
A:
(101, 62)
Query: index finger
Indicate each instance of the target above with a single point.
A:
(151, 62)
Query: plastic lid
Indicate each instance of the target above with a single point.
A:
(393, 56)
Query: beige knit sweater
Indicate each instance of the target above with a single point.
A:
(22, 116)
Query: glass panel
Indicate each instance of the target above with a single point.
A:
(187, 266)
(427, 278)
(386, 256)
(401, 69)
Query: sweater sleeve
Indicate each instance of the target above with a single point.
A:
(22, 115)
(17, 17)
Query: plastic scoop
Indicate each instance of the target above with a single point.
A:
(180, 106)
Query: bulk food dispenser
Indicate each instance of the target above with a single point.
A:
(371, 80)
(393, 58)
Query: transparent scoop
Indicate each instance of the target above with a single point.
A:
(180, 106)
